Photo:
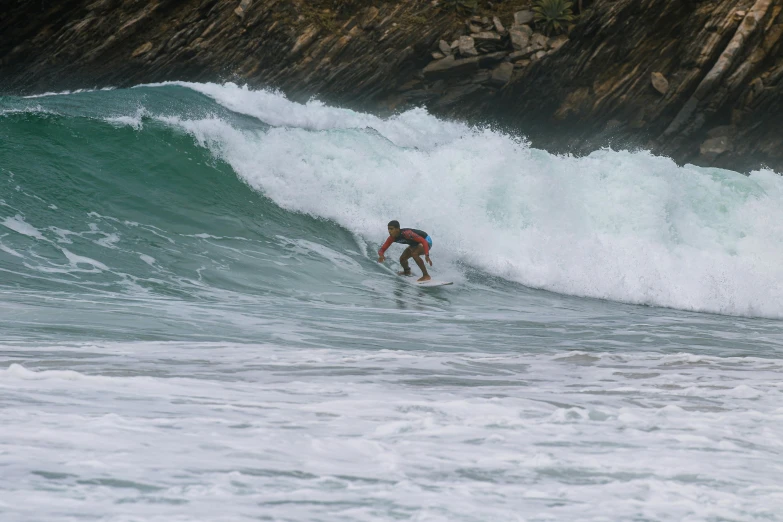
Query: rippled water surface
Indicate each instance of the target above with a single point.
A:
(193, 325)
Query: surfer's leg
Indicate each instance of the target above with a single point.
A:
(416, 253)
(406, 254)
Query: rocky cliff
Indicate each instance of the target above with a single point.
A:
(699, 81)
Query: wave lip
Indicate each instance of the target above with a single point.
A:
(414, 128)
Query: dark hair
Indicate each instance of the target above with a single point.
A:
(394, 223)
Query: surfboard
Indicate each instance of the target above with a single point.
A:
(412, 279)
(433, 282)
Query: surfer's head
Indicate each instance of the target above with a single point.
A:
(394, 228)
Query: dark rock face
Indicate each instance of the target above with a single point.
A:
(698, 80)
(722, 65)
(501, 75)
(292, 45)
(450, 67)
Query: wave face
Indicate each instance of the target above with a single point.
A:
(616, 225)
(195, 327)
(622, 226)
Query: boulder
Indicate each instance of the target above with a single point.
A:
(557, 42)
(523, 17)
(659, 82)
(518, 55)
(521, 63)
(714, 147)
(539, 41)
(489, 60)
(486, 37)
(473, 29)
(242, 8)
(519, 38)
(498, 25)
(488, 41)
(444, 47)
(450, 67)
(501, 75)
(539, 55)
(526, 29)
(438, 56)
(142, 49)
(467, 46)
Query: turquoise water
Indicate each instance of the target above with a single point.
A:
(195, 327)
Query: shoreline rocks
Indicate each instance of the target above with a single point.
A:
(670, 78)
(488, 43)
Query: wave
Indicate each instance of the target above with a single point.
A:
(617, 225)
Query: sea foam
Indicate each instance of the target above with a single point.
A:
(617, 225)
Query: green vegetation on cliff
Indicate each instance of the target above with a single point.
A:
(553, 16)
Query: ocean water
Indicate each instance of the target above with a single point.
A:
(194, 327)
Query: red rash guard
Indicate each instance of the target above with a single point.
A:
(410, 237)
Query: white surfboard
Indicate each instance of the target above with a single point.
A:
(433, 282)
(412, 279)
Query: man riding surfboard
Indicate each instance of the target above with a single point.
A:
(418, 241)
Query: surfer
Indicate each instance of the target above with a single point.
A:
(418, 242)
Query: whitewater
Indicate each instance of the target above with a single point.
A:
(194, 326)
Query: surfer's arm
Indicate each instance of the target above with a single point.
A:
(386, 245)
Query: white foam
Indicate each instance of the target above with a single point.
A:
(75, 260)
(36, 109)
(17, 371)
(108, 240)
(136, 121)
(67, 93)
(18, 224)
(10, 250)
(626, 226)
(414, 128)
(299, 434)
(744, 391)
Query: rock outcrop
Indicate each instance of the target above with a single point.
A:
(698, 80)
(488, 46)
(662, 75)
